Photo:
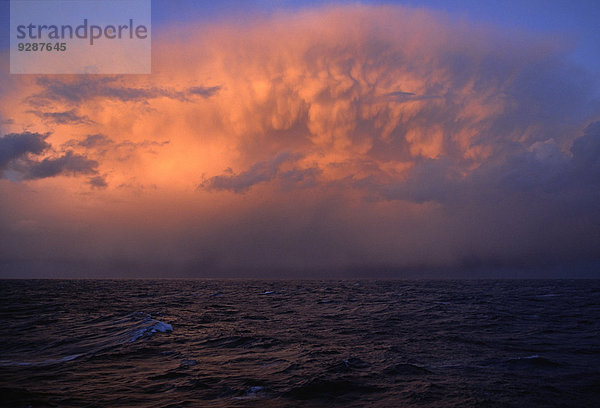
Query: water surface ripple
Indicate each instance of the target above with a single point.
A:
(211, 343)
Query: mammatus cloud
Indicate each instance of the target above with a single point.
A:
(330, 139)
(540, 169)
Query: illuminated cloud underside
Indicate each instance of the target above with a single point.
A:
(347, 137)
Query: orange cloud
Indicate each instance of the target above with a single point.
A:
(332, 137)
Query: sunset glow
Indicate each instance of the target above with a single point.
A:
(326, 138)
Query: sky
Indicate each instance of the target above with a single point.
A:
(291, 139)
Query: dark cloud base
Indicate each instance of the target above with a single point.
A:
(20, 153)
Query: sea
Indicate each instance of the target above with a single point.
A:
(304, 343)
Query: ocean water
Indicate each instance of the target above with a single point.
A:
(210, 343)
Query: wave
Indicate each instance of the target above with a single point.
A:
(148, 327)
(241, 342)
(325, 388)
(252, 393)
(93, 337)
(39, 363)
(533, 361)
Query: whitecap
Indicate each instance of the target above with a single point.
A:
(95, 336)
(150, 326)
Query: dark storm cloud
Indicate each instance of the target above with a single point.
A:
(299, 178)
(84, 89)
(67, 164)
(541, 169)
(497, 172)
(400, 94)
(102, 145)
(429, 180)
(586, 156)
(15, 146)
(62, 118)
(421, 145)
(260, 172)
(203, 91)
(20, 152)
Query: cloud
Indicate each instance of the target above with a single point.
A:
(61, 118)
(92, 141)
(108, 149)
(69, 163)
(541, 172)
(400, 94)
(354, 137)
(78, 90)
(586, 156)
(205, 92)
(260, 172)
(98, 182)
(299, 178)
(21, 151)
(15, 146)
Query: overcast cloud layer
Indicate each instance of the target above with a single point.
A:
(346, 141)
